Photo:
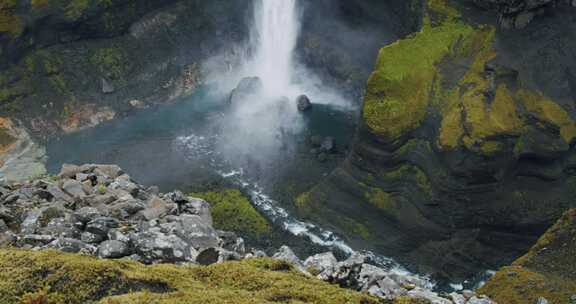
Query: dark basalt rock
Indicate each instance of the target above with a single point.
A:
(303, 103)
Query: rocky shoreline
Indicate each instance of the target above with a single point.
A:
(99, 210)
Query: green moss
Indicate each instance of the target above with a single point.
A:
(380, 199)
(355, 228)
(550, 111)
(423, 182)
(399, 90)
(10, 22)
(58, 278)
(232, 211)
(37, 4)
(111, 62)
(76, 8)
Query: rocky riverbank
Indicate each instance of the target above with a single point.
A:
(99, 210)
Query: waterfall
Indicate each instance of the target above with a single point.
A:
(274, 38)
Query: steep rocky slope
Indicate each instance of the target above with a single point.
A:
(465, 153)
(546, 271)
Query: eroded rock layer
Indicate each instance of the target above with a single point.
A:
(464, 156)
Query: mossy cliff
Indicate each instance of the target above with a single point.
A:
(464, 155)
(548, 270)
(52, 278)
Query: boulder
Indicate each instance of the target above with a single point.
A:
(323, 264)
(286, 254)
(157, 247)
(208, 256)
(303, 103)
(101, 225)
(73, 188)
(113, 249)
(155, 208)
(69, 171)
(197, 232)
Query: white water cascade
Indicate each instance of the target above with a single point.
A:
(274, 37)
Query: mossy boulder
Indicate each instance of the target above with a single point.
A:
(548, 270)
(51, 277)
(232, 211)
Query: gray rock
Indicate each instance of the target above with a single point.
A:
(72, 246)
(116, 235)
(286, 254)
(31, 222)
(369, 275)
(87, 214)
(155, 208)
(73, 188)
(197, 232)
(102, 225)
(198, 207)
(58, 194)
(113, 250)
(36, 240)
(127, 208)
(323, 264)
(61, 228)
(91, 238)
(389, 288)
(111, 171)
(11, 199)
(156, 247)
(69, 171)
(428, 295)
(457, 298)
(468, 294)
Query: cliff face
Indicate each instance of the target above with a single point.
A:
(73, 64)
(465, 153)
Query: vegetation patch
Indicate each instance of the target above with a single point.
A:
(232, 211)
(548, 270)
(10, 23)
(400, 89)
(56, 278)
